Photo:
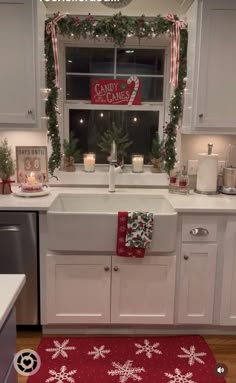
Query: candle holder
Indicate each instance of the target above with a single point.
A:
(137, 163)
(89, 162)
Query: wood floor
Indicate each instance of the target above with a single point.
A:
(223, 348)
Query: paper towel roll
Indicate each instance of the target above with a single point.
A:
(207, 172)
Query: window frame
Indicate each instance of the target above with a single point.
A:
(64, 105)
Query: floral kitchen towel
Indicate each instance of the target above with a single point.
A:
(121, 249)
(139, 229)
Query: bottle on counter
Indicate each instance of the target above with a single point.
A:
(174, 177)
(183, 184)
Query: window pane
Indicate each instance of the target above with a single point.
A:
(89, 60)
(78, 87)
(140, 61)
(151, 88)
(89, 125)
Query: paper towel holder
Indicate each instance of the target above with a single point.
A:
(209, 152)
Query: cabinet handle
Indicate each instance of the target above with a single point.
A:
(30, 112)
(9, 228)
(199, 232)
(186, 257)
(200, 115)
(116, 268)
(107, 268)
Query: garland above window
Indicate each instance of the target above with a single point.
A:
(116, 29)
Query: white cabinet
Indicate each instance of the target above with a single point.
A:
(143, 290)
(197, 283)
(228, 299)
(210, 96)
(86, 289)
(21, 65)
(78, 289)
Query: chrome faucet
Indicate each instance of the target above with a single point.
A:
(113, 170)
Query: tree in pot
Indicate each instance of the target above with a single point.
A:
(7, 168)
(71, 154)
(157, 153)
(121, 139)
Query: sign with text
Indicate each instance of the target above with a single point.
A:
(116, 92)
(31, 159)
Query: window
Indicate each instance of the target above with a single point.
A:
(88, 122)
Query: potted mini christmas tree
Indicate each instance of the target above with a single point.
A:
(71, 154)
(157, 153)
(7, 168)
(121, 139)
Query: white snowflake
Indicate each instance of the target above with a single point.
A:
(122, 229)
(121, 240)
(179, 378)
(126, 371)
(60, 349)
(148, 348)
(99, 352)
(192, 355)
(62, 376)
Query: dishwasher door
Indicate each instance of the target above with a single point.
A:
(18, 255)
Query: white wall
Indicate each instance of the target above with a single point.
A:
(136, 8)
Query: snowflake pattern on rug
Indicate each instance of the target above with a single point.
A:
(60, 349)
(126, 371)
(61, 376)
(179, 378)
(99, 352)
(147, 348)
(192, 355)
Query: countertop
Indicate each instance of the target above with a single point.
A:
(10, 288)
(181, 203)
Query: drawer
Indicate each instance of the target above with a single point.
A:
(199, 229)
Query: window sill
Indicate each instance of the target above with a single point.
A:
(99, 178)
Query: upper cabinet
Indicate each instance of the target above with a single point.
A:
(20, 49)
(210, 94)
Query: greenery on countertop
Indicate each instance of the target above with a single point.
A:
(116, 29)
(7, 168)
(70, 148)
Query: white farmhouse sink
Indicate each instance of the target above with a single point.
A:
(79, 222)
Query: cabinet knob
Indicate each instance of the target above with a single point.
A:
(200, 115)
(116, 268)
(107, 268)
(199, 232)
(30, 112)
(186, 257)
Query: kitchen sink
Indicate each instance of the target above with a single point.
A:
(88, 222)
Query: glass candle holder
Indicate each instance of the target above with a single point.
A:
(137, 163)
(89, 162)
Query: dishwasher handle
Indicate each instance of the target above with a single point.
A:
(9, 228)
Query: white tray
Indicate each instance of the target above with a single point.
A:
(19, 193)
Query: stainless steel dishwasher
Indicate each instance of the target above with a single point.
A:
(18, 254)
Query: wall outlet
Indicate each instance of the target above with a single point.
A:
(221, 165)
(192, 167)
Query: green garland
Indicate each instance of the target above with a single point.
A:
(114, 29)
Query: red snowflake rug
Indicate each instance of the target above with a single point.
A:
(178, 359)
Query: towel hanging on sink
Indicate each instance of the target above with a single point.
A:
(139, 229)
(135, 250)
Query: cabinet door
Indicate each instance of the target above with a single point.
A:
(197, 283)
(216, 85)
(143, 290)
(78, 289)
(17, 74)
(228, 300)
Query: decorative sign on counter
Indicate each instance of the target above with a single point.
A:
(31, 160)
(116, 92)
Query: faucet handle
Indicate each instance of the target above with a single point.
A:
(113, 152)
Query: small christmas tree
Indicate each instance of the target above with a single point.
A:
(7, 167)
(157, 153)
(121, 139)
(71, 153)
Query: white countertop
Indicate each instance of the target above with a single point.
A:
(10, 287)
(181, 203)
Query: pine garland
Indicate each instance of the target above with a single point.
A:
(114, 29)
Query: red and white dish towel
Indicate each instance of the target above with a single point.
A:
(134, 233)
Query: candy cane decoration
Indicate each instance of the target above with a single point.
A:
(135, 90)
(177, 25)
(51, 30)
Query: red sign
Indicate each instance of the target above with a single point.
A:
(116, 92)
